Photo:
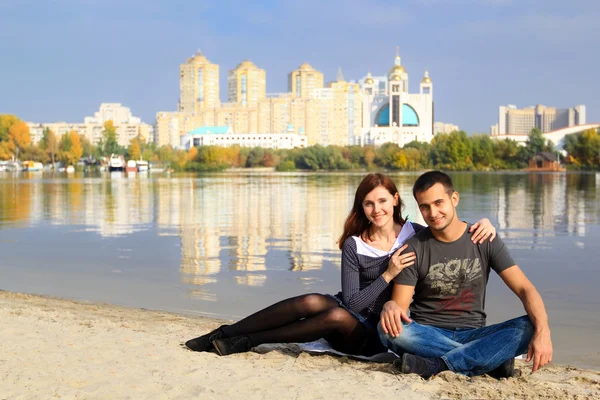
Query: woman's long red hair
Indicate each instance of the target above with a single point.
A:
(357, 222)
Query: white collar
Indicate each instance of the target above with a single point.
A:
(365, 249)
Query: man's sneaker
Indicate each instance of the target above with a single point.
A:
(505, 370)
(237, 344)
(204, 342)
(424, 367)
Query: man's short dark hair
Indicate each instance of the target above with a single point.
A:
(428, 179)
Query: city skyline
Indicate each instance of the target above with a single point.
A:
(62, 60)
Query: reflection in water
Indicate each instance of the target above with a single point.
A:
(229, 244)
(236, 222)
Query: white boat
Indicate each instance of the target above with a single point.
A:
(115, 163)
(14, 166)
(131, 166)
(142, 166)
(3, 165)
(70, 169)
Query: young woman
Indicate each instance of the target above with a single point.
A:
(373, 238)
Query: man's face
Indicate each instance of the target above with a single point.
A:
(437, 207)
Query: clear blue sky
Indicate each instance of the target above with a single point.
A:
(60, 59)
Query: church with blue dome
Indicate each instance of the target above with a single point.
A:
(392, 113)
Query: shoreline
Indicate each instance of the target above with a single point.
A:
(53, 347)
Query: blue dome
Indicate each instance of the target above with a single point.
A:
(409, 116)
(383, 118)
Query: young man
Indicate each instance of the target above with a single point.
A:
(446, 328)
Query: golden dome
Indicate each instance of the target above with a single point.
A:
(426, 78)
(198, 58)
(397, 70)
(396, 78)
(246, 64)
(369, 81)
(305, 66)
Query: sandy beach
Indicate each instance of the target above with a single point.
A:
(54, 348)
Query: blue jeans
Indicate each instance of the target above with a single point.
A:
(468, 351)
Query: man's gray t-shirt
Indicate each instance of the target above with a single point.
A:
(450, 278)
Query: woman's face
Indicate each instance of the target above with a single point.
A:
(378, 206)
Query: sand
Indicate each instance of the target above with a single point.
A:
(52, 348)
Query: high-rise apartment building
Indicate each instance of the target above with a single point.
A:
(515, 121)
(442, 127)
(247, 84)
(198, 85)
(127, 126)
(338, 114)
(376, 110)
(303, 80)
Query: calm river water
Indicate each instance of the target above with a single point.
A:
(227, 244)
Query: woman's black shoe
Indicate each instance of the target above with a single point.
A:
(204, 343)
(237, 344)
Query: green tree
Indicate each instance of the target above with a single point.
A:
(424, 151)
(89, 150)
(452, 151)
(49, 144)
(387, 156)
(35, 153)
(509, 155)
(536, 143)
(109, 144)
(584, 149)
(165, 153)
(483, 151)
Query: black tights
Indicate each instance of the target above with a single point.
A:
(302, 319)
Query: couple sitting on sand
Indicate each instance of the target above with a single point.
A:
(439, 273)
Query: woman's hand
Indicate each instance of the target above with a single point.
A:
(398, 262)
(483, 229)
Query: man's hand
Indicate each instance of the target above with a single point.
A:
(540, 349)
(391, 318)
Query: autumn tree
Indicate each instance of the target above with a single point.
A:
(6, 150)
(6, 121)
(18, 134)
(49, 144)
(192, 153)
(368, 157)
(70, 148)
(134, 149)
